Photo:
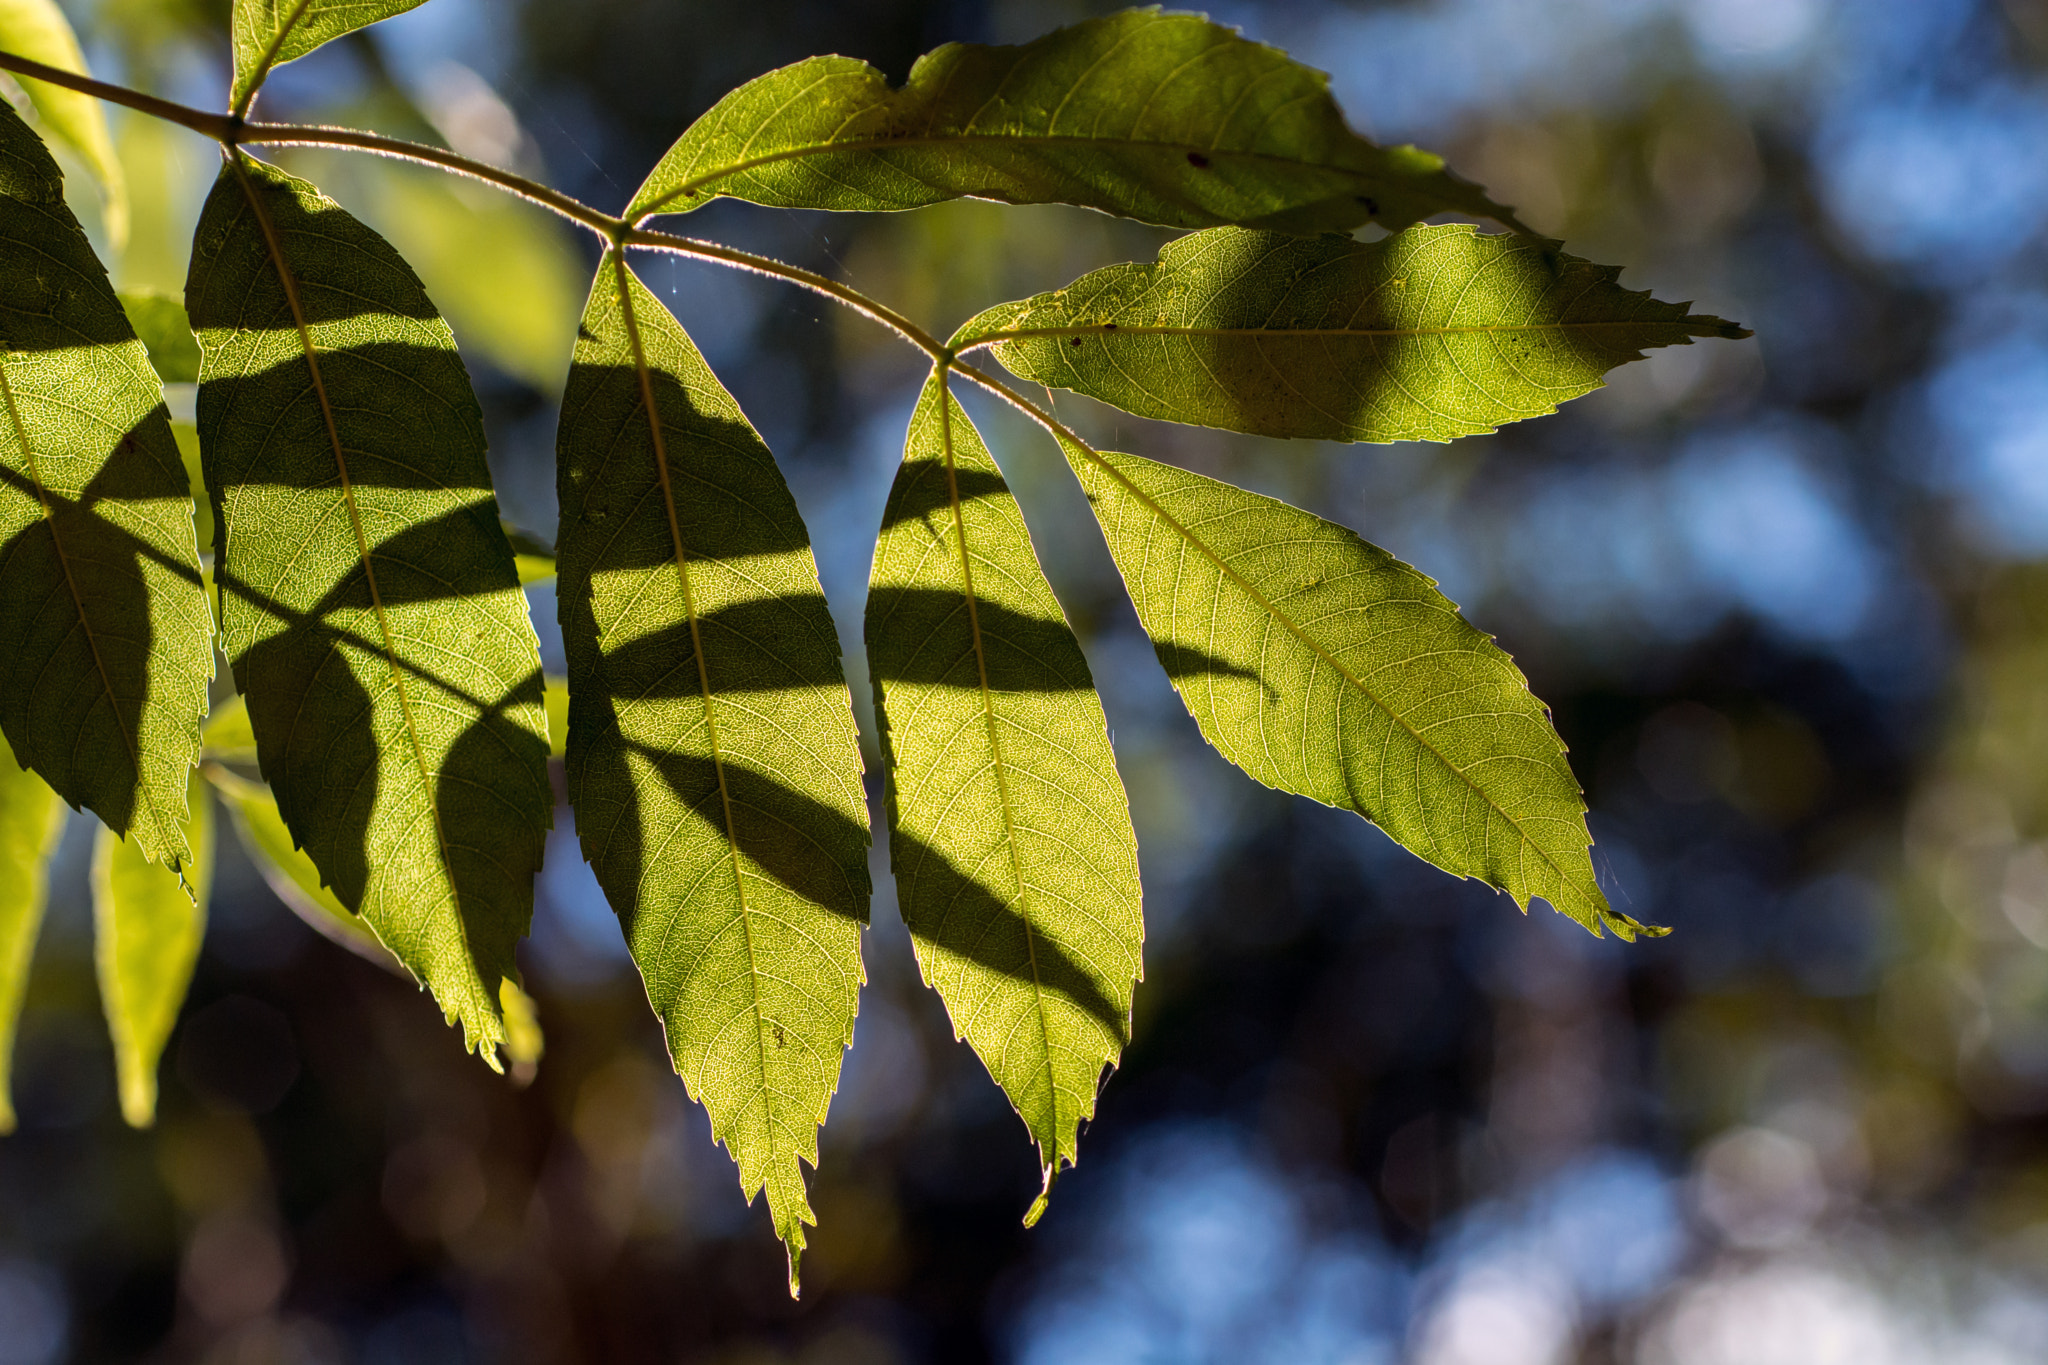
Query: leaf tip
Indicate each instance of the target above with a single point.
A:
(795, 1247)
(1044, 1200)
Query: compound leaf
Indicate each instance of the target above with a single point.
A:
(712, 759)
(147, 925)
(269, 33)
(1322, 665)
(1435, 333)
(1163, 117)
(1010, 835)
(107, 637)
(31, 822)
(369, 602)
(38, 30)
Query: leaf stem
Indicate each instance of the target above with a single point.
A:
(230, 130)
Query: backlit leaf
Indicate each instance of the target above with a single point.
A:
(1010, 836)
(1163, 117)
(269, 33)
(31, 821)
(712, 759)
(368, 599)
(38, 30)
(147, 925)
(107, 640)
(1435, 333)
(1323, 666)
(159, 320)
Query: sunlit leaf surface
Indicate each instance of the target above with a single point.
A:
(1324, 666)
(1435, 333)
(1010, 836)
(147, 925)
(1164, 117)
(368, 597)
(269, 33)
(38, 30)
(31, 821)
(712, 759)
(105, 639)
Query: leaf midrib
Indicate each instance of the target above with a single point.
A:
(1694, 325)
(128, 740)
(645, 377)
(261, 71)
(275, 249)
(1223, 566)
(954, 505)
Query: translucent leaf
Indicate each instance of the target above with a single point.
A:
(1435, 333)
(1163, 117)
(38, 30)
(1010, 836)
(712, 757)
(146, 930)
(107, 637)
(368, 598)
(159, 320)
(1321, 665)
(269, 33)
(287, 871)
(31, 821)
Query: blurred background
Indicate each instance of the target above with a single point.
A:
(1788, 598)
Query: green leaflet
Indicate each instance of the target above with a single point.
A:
(1163, 117)
(1435, 333)
(31, 821)
(368, 599)
(269, 33)
(1324, 666)
(712, 758)
(38, 30)
(107, 638)
(146, 932)
(1010, 836)
(159, 320)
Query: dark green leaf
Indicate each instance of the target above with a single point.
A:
(31, 821)
(368, 598)
(107, 638)
(1322, 665)
(269, 33)
(1435, 333)
(1010, 836)
(38, 30)
(712, 757)
(146, 930)
(1164, 117)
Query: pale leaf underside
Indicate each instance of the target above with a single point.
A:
(1435, 333)
(1010, 835)
(107, 648)
(1162, 117)
(712, 757)
(369, 602)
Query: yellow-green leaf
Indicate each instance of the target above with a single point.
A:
(38, 30)
(369, 602)
(1324, 666)
(712, 757)
(1010, 836)
(159, 320)
(269, 33)
(286, 869)
(105, 640)
(1163, 117)
(1435, 333)
(147, 925)
(31, 821)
